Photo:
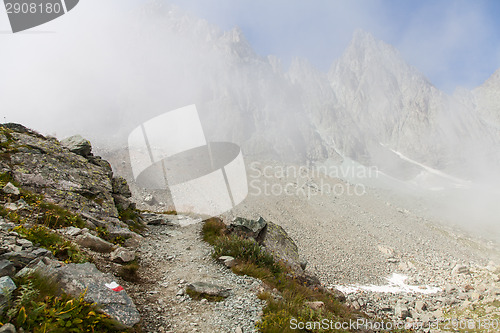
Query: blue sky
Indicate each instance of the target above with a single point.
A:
(453, 42)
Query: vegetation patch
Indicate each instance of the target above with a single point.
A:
(43, 237)
(131, 217)
(36, 306)
(290, 301)
(129, 271)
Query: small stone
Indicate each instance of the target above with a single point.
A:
(122, 256)
(11, 206)
(401, 311)
(149, 199)
(9, 188)
(180, 292)
(7, 268)
(460, 269)
(8, 328)
(70, 231)
(315, 305)
(208, 289)
(238, 330)
(228, 261)
(94, 243)
(420, 306)
(6, 287)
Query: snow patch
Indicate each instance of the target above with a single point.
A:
(396, 284)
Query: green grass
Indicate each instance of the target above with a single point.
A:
(36, 306)
(43, 237)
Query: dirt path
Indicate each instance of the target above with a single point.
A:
(174, 256)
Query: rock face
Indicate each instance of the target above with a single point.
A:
(78, 145)
(78, 278)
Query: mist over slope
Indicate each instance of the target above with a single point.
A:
(104, 79)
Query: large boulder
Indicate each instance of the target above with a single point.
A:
(276, 241)
(78, 145)
(76, 279)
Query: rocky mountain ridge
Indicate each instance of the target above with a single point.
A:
(369, 105)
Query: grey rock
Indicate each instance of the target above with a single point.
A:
(282, 247)
(41, 252)
(77, 278)
(149, 199)
(9, 188)
(420, 306)
(303, 264)
(70, 231)
(208, 289)
(247, 227)
(315, 305)
(122, 256)
(120, 186)
(78, 145)
(228, 261)
(7, 268)
(94, 243)
(460, 269)
(401, 311)
(19, 258)
(122, 202)
(7, 286)
(117, 231)
(8, 328)
(24, 243)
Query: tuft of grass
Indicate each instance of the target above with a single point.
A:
(62, 249)
(212, 229)
(129, 271)
(36, 306)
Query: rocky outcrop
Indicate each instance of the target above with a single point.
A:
(67, 180)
